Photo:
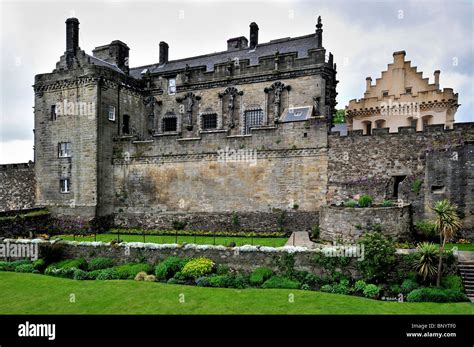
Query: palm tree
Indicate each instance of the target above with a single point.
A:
(447, 223)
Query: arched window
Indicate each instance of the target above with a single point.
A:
(380, 123)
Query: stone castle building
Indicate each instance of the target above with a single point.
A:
(402, 97)
(230, 140)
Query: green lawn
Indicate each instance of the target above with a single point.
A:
(461, 246)
(201, 240)
(39, 294)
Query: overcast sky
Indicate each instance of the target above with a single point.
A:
(362, 35)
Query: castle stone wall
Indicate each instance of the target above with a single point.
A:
(17, 186)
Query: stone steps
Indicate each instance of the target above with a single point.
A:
(466, 270)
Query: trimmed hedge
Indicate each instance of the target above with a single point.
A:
(100, 263)
(129, 271)
(436, 295)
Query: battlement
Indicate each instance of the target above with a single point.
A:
(434, 128)
(17, 166)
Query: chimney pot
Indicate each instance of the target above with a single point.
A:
(436, 78)
(72, 35)
(368, 83)
(253, 35)
(164, 48)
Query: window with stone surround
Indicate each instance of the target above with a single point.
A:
(209, 121)
(64, 149)
(65, 185)
(253, 118)
(54, 114)
(111, 113)
(169, 124)
(172, 86)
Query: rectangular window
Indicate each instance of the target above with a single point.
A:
(253, 118)
(172, 86)
(126, 124)
(384, 93)
(112, 113)
(169, 124)
(209, 121)
(54, 115)
(64, 149)
(408, 90)
(65, 185)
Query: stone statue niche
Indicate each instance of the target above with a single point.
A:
(277, 101)
(188, 110)
(231, 100)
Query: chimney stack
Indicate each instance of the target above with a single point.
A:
(163, 52)
(72, 35)
(436, 78)
(368, 83)
(253, 35)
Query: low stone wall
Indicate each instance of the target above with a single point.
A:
(349, 224)
(24, 226)
(229, 221)
(244, 258)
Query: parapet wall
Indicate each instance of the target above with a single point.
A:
(17, 186)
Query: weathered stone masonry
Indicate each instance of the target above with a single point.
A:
(17, 186)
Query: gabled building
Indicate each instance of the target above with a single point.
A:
(401, 97)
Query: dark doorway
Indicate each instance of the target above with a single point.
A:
(396, 185)
(126, 124)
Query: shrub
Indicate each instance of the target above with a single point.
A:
(427, 260)
(172, 281)
(140, 276)
(327, 288)
(365, 201)
(39, 265)
(304, 286)
(371, 291)
(260, 275)
(379, 256)
(342, 287)
(220, 281)
(408, 285)
(198, 267)
(350, 203)
(286, 264)
(222, 269)
(435, 295)
(425, 227)
(395, 289)
(202, 282)
(169, 267)
(307, 278)
(101, 263)
(281, 282)
(69, 264)
(387, 203)
(107, 274)
(51, 252)
(27, 268)
(416, 186)
(12, 265)
(359, 286)
(315, 231)
(80, 275)
(150, 278)
(130, 270)
(452, 282)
